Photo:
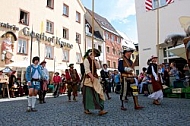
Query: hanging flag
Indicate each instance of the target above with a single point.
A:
(169, 1)
(148, 5)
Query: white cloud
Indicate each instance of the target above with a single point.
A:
(121, 10)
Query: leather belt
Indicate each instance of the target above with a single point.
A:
(127, 75)
(33, 79)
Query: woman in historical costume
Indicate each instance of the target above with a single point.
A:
(156, 82)
(93, 95)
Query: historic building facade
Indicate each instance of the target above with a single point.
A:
(111, 47)
(58, 28)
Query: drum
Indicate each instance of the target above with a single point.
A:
(8, 55)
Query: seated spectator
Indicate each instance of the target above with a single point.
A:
(144, 84)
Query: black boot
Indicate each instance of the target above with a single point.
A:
(44, 94)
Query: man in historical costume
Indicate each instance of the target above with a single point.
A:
(4, 80)
(105, 80)
(126, 68)
(7, 48)
(156, 82)
(43, 83)
(93, 95)
(13, 86)
(72, 79)
(34, 75)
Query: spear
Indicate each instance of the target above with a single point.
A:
(93, 35)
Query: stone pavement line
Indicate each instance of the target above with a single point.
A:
(60, 112)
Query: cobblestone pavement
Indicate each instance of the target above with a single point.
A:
(60, 112)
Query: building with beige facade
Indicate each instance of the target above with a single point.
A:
(154, 24)
(58, 30)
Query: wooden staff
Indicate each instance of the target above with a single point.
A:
(93, 35)
(31, 35)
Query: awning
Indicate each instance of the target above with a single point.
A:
(178, 51)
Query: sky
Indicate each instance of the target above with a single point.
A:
(120, 13)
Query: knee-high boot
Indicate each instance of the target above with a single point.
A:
(44, 94)
(136, 104)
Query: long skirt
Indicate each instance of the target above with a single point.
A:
(91, 99)
(157, 90)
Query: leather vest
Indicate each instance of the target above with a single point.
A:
(126, 63)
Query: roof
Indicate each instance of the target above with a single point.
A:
(103, 22)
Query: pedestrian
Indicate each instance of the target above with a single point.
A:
(33, 75)
(106, 78)
(72, 79)
(56, 82)
(156, 81)
(117, 82)
(93, 95)
(126, 68)
(44, 83)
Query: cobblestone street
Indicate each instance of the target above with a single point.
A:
(60, 112)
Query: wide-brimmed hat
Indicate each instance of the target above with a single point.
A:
(153, 57)
(70, 65)
(43, 62)
(127, 49)
(96, 52)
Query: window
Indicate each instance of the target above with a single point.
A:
(108, 49)
(107, 36)
(65, 33)
(48, 52)
(66, 55)
(118, 40)
(158, 3)
(112, 38)
(22, 46)
(24, 17)
(65, 10)
(78, 17)
(78, 57)
(78, 38)
(108, 62)
(100, 48)
(114, 64)
(169, 53)
(49, 27)
(114, 51)
(50, 3)
(165, 52)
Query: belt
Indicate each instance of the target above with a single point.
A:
(33, 79)
(87, 76)
(127, 75)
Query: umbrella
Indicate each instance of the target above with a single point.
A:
(178, 51)
(174, 38)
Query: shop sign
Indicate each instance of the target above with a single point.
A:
(43, 37)
(9, 26)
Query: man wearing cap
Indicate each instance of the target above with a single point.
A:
(43, 83)
(72, 79)
(33, 76)
(126, 68)
(156, 81)
(93, 95)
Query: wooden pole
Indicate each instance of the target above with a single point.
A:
(158, 31)
(93, 35)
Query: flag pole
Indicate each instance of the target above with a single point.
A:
(93, 35)
(158, 30)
